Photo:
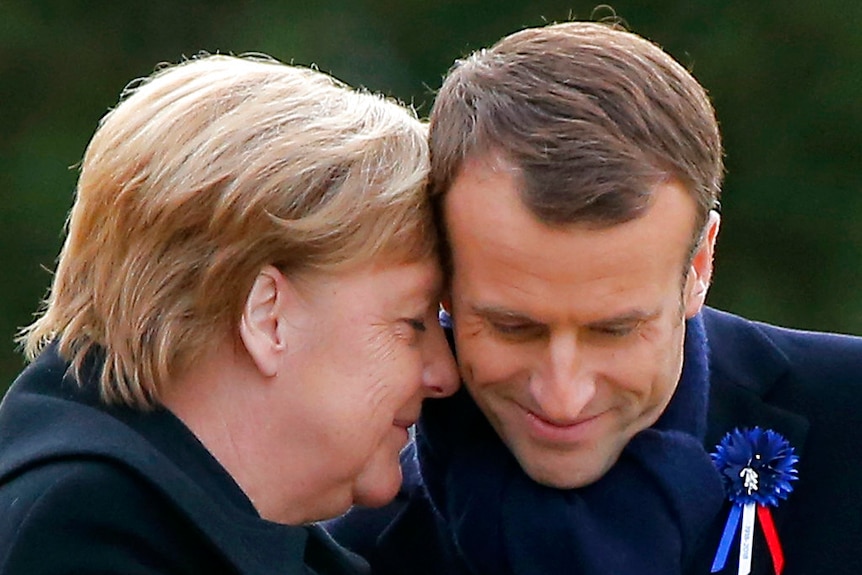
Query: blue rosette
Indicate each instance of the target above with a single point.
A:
(757, 468)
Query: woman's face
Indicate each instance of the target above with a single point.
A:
(370, 350)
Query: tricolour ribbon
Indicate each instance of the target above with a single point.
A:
(757, 467)
(746, 543)
(771, 535)
(730, 529)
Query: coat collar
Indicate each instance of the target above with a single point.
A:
(47, 415)
(745, 365)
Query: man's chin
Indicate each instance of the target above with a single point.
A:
(568, 471)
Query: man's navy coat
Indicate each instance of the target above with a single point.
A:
(806, 386)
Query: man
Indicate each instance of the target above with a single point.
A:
(577, 169)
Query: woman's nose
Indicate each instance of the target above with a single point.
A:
(440, 375)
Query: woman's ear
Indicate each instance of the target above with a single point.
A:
(262, 326)
(700, 273)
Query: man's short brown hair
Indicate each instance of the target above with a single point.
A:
(589, 115)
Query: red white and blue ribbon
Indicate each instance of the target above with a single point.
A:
(757, 467)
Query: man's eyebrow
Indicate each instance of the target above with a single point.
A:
(500, 313)
(630, 317)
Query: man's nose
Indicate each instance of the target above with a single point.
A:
(439, 374)
(564, 385)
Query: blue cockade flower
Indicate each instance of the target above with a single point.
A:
(756, 466)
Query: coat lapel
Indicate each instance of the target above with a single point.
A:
(745, 365)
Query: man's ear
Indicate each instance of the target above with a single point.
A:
(700, 273)
(262, 326)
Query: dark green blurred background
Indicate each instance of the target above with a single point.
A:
(786, 79)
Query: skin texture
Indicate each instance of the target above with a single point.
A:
(310, 411)
(570, 338)
(372, 350)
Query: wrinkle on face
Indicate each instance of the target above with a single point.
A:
(353, 369)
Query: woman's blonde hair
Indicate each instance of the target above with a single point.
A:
(204, 173)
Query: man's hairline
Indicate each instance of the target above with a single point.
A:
(496, 158)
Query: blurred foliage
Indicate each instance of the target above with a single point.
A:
(786, 79)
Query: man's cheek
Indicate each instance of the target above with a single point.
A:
(492, 365)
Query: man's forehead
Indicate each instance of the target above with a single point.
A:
(483, 184)
(496, 240)
(487, 185)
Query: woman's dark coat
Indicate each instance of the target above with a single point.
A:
(86, 488)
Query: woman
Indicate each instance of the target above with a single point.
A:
(241, 329)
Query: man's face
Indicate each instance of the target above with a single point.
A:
(569, 338)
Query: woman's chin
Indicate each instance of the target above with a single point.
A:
(379, 489)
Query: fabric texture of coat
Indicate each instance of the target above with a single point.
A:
(806, 386)
(88, 488)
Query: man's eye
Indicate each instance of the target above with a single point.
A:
(615, 331)
(417, 324)
(518, 330)
(508, 328)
